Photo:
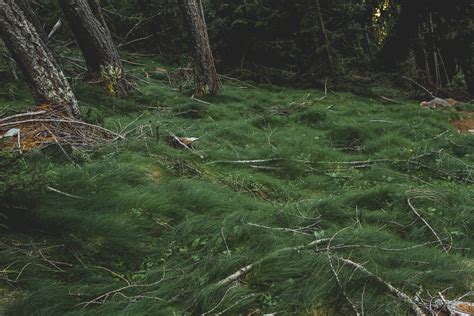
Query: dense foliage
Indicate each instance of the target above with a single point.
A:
(306, 41)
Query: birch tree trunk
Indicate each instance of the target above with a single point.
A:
(205, 75)
(45, 79)
(95, 41)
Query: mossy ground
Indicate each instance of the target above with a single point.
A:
(173, 225)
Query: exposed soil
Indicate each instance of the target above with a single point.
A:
(466, 124)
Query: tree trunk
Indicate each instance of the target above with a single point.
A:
(28, 10)
(95, 41)
(205, 75)
(47, 82)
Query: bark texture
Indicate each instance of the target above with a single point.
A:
(95, 41)
(28, 9)
(205, 74)
(47, 82)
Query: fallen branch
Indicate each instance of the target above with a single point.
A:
(178, 141)
(427, 225)
(401, 295)
(63, 121)
(246, 161)
(419, 85)
(22, 115)
(64, 193)
(389, 100)
(296, 231)
(235, 276)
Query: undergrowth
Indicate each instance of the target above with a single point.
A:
(151, 229)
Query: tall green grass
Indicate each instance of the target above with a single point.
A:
(172, 225)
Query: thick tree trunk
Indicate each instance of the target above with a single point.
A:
(205, 74)
(28, 10)
(94, 39)
(47, 82)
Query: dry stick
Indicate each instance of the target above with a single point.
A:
(242, 271)
(325, 90)
(136, 40)
(22, 115)
(55, 28)
(64, 121)
(328, 252)
(106, 295)
(225, 242)
(404, 297)
(235, 276)
(296, 231)
(198, 100)
(220, 302)
(59, 144)
(246, 161)
(64, 193)
(389, 100)
(237, 80)
(184, 145)
(427, 225)
(419, 85)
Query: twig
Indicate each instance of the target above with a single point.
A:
(296, 231)
(389, 100)
(328, 252)
(237, 80)
(325, 90)
(225, 242)
(235, 276)
(136, 40)
(55, 28)
(64, 121)
(22, 115)
(246, 161)
(220, 302)
(198, 100)
(176, 139)
(427, 225)
(64, 193)
(419, 85)
(404, 297)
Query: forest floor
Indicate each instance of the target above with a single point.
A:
(283, 189)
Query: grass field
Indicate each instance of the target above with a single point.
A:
(283, 182)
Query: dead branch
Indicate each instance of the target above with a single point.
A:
(245, 161)
(235, 276)
(296, 231)
(427, 225)
(401, 295)
(176, 140)
(8, 118)
(67, 121)
(101, 299)
(64, 193)
(419, 85)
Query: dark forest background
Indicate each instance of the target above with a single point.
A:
(303, 42)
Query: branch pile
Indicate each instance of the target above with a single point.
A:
(47, 126)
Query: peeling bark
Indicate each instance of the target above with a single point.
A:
(95, 41)
(46, 80)
(205, 74)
